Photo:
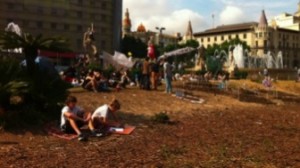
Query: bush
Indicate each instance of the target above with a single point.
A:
(240, 74)
(161, 117)
(29, 98)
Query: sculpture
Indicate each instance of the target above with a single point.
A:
(89, 43)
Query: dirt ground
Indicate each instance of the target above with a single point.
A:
(245, 126)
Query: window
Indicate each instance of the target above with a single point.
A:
(265, 43)
(256, 43)
(236, 36)
(79, 28)
(39, 24)
(10, 5)
(9, 20)
(39, 10)
(215, 38)
(53, 11)
(79, 43)
(103, 17)
(222, 38)
(79, 14)
(245, 36)
(104, 5)
(53, 25)
(229, 37)
(66, 27)
(25, 23)
(92, 16)
(260, 34)
(103, 44)
(103, 30)
(201, 39)
(208, 39)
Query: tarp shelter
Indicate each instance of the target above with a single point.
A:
(118, 60)
(177, 52)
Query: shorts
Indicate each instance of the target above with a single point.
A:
(67, 128)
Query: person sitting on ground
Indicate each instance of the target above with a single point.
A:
(93, 81)
(105, 116)
(207, 76)
(73, 118)
(222, 80)
(124, 80)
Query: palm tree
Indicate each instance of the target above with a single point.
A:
(31, 45)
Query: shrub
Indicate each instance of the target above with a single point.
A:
(161, 117)
(240, 74)
(29, 98)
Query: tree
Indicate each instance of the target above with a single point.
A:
(31, 45)
(135, 46)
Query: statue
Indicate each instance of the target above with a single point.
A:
(201, 58)
(89, 43)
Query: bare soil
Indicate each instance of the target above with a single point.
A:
(245, 126)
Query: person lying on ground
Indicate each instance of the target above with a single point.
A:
(73, 118)
(105, 116)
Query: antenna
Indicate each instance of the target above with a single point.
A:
(213, 20)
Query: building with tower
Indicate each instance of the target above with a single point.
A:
(281, 35)
(145, 35)
(189, 33)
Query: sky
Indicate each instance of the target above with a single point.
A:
(203, 14)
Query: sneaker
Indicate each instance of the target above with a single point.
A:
(81, 137)
(97, 133)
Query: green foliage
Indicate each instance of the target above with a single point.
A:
(161, 118)
(213, 65)
(10, 82)
(31, 45)
(29, 98)
(225, 46)
(240, 74)
(136, 47)
(191, 43)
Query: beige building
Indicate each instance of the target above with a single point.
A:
(67, 18)
(262, 37)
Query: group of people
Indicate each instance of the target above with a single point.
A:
(74, 117)
(151, 73)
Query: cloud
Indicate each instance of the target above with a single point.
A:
(231, 15)
(161, 13)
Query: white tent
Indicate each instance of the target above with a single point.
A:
(118, 60)
(177, 52)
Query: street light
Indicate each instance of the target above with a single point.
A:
(160, 35)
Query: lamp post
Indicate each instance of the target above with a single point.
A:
(160, 29)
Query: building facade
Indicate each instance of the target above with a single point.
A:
(158, 38)
(69, 19)
(277, 36)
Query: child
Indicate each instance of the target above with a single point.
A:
(72, 119)
(105, 116)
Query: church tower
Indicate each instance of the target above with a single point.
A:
(263, 39)
(189, 32)
(298, 11)
(126, 27)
